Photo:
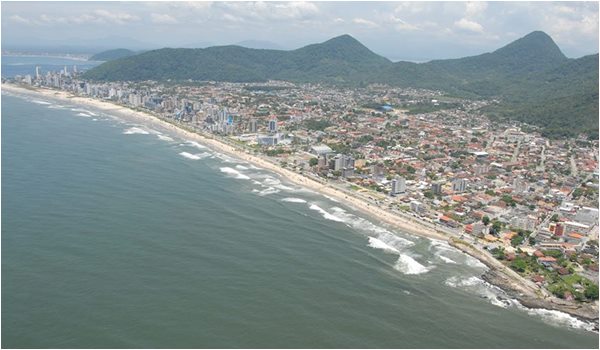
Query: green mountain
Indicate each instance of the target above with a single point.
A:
(111, 55)
(340, 59)
(534, 80)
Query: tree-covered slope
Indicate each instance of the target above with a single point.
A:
(111, 55)
(563, 100)
(339, 59)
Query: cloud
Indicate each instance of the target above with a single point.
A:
(270, 11)
(338, 20)
(365, 22)
(163, 18)
(468, 26)
(401, 25)
(115, 17)
(19, 19)
(473, 9)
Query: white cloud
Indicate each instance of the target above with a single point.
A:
(468, 25)
(401, 25)
(365, 22)
(163, 18)
(475, 8)
(338, 20)
(115, 17)
(19, 19)
(270, 11)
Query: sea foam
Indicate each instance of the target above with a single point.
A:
(378, 244)
(409, 266)
(164, 138)
(293, 200)
(135, 130)
(195, 144)
(196, 156)
(234, 173)
(267, 191)
(326, 214)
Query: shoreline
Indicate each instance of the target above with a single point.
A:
(525, 291)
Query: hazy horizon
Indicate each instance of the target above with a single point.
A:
(416, 31)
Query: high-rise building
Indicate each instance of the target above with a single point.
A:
(436, 187)
(398, 185)
(37, 72)
(253, 125)
(273, 125)
(459, 185)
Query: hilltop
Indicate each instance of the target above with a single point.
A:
(110, 55)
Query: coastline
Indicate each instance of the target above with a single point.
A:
(525, 291)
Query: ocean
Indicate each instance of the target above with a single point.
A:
(23, 65)
(118, 235)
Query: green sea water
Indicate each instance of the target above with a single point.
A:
(118, 235)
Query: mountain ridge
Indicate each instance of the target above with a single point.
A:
(525, 72)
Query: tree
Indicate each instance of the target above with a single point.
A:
(485, 220)
(519, 265)
(496, 226)
(313, 161)
(517, 240)
(591, 291)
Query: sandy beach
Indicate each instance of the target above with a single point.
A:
(509, 280)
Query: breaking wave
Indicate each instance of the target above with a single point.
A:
(325, 214)
(164, 138)
(378, 244)
(293, 200)
(267, 191)
(135, 130)
(446, 259)
(498, 297)
(234, 173)
(195, 144)
(409, 266)
(39, 102)
(196, 156)
(558, 318)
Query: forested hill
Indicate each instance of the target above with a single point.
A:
(111, 55)
(340, 59)
(531, 76)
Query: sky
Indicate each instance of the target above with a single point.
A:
(416, 31)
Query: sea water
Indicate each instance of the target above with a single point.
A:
(115, 234)
(23, 65)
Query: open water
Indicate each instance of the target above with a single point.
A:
(118, 235)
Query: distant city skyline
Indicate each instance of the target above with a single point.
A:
(396, 30)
